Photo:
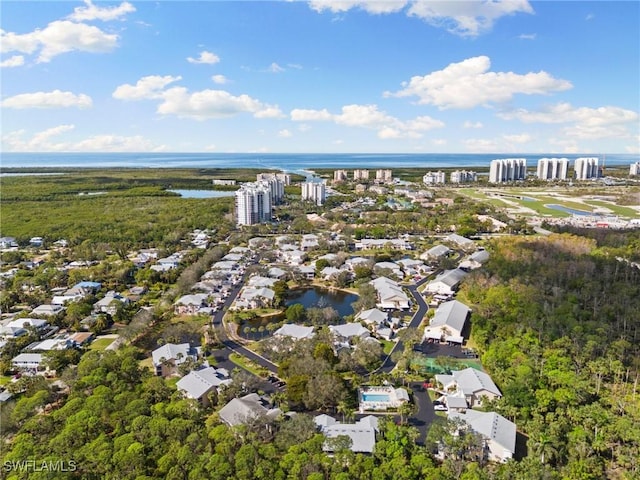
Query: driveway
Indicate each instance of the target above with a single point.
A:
(425, 414)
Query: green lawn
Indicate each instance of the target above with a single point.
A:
(387, 346)
(4, 380)
(101, 343)
(617, 209)
(242, 362)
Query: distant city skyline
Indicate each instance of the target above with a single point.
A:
(321, 76)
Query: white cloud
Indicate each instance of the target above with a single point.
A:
(275, 68)
(468, 124)
(467, 18)
(308, 115)
(59, 37)
(148, 87)
(15, 61)
(582, 122)
(219, 79)
(304, 127)
(368, 116)
(54, 99)
(285, 133)
(469, 83)
(205, 57)
(92, 12)
(527, 36)
(370, 6)
(269, 111)
(504, 144)
(45, 142)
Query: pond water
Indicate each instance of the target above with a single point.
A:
(203, 193)
(308, 298)
(321, 298)
(568, 210)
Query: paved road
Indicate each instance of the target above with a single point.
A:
(388, 364)
(232, 344)
(425, 415)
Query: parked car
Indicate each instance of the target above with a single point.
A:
(440, 407)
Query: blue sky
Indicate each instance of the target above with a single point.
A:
(329, 76)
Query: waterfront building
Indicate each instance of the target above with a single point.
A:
(586, 168)
(340, 176)
(315, 192)
(463, 176)
(383, 176)
(361, 174)
(553, 168)
(253, 203)
(432, 178)
(634, 169)
(508, 170)
(275, 183)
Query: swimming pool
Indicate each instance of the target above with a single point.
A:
(375, 397)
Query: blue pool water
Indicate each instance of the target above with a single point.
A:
(375, 397)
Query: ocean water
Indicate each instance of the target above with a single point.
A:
(291, 162)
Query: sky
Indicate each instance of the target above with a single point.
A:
(321, 76)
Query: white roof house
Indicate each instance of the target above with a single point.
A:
(241, 410)
(47, 310)
(17, 327)
(260, 281)
(198, 383)
(170, 355)
(351, 263)
(474, 384)
(349, 331)
(362, 433)
(461, 241)
(498, 432)
(438, 251)
(447, 282)
(372, 316)
(27, 361)
(448, 322)
(394, 267)
(390, 294)
(475, 260)
(109, 302)
(297, 332)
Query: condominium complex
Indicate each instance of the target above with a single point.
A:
(383, 176)
(253, 203)
(340, 176)
(315, 192)
(553, 168)
(431, 178)
(276, 183)
(634, 169)
(508, 170)
(463, 176)
(586, 168)
(361, 174)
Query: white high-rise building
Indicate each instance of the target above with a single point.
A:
(508, 170)
(339, 175)
(276, 183)
(634, 169)
(586, 168)
(431, 178)
(383, 176)
(361, 174)
(463, 176)
(253, 203)
(553, 168)
(315, 192)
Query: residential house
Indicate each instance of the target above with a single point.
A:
(373, 316)
(461, 242)
(448, 323)
(499, 434)
(377, 244)
(362, 433)
(390, 294)
(354, 262)
(259, 281)
(198, 384)
(347, 333)
(435, 253)
(191, 304)
(30, 362)
(169, 356)
(394, 268)
(277, 273)
(475, 260)
(252, 297)
(240, 411)
(447, 282)
(413, 267)
(8, 242)
(110, 303)
(296, 332)
(307, 272)
(19, 326)
(47, 310)
(309, 242)
(474, 384)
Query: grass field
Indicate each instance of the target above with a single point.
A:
(101, 343)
